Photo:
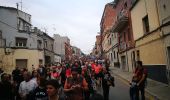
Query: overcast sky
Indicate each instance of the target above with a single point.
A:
(77, 19)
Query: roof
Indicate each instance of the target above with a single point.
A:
(45, 34)
(12, 8)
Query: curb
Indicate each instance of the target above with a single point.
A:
(149, 95)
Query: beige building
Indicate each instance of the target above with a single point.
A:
(149, 45)
(164, 18)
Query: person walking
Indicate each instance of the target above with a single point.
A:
(6, 92)
(26, 86)
(75, 85)
(53, 89)
(40, 92)
(140, 74)
(107, 81)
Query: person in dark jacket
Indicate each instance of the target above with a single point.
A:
(40, 92)
(107, 81)
(42, 71)
(6, 88)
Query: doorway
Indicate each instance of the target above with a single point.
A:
(21, 63)
(123, 61)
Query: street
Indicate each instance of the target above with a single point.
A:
(120, 91)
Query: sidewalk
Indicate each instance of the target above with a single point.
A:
(154, 90)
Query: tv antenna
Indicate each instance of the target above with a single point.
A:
(18, 5)
(21, 5)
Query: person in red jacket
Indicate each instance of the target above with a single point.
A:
(140, 74)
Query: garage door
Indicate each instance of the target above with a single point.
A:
(21, 63)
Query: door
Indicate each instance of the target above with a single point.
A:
(21, 63)
(40, 61)
(47, 60)
(123, 61)
(133, 60)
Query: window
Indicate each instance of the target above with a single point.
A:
(138, 55)
(29, 19)
(45, 44)
(19, 24)
(124, 36)
(164, 6)
(111, 56)
(110, 41)
(21, 42)
(129, 35)
(40, 61)
(0, 34)
(51, 47)
(125, 5)
(114, 55)
(145, 21)
(115, 35)
(39, 44)
(133, 2)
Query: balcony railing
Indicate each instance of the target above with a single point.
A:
(122, 20)
(130, 44)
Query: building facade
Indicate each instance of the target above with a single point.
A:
(114, 55)
(76, 53)
(105, 30)
(149, 45)
(68, 50)
(164, 20)
(98, 46)
(123, 28)
(60, 44)
(20, 43)
(48, 49)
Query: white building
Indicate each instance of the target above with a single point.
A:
(59, 45)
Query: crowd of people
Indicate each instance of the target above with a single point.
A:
(78, 80)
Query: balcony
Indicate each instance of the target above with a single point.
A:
(122, 21)
(130, 44)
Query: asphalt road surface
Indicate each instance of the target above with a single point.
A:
(120, 91)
